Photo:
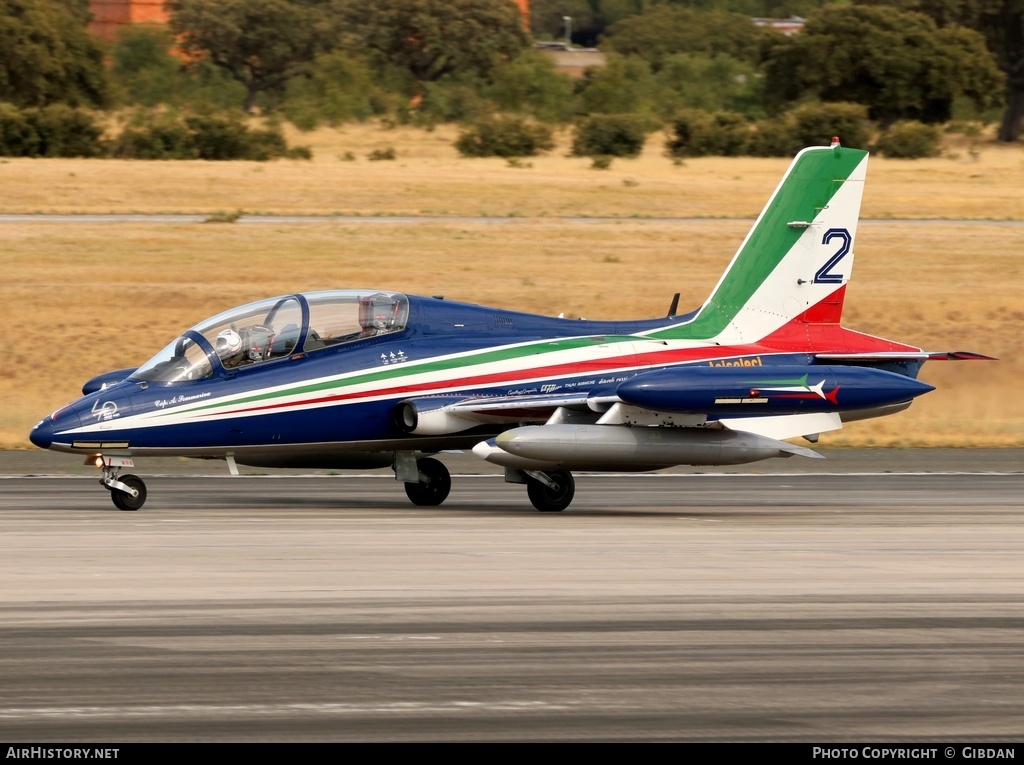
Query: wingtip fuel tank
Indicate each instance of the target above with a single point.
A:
(759, 391)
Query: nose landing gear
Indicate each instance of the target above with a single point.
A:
(127, 492)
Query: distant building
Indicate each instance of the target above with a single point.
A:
(789, 26)
(108, 16)
(572, 61)
(524, 8)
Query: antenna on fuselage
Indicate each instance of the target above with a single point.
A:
(675, 305)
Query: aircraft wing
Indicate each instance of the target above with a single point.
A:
(689, 414)
(786, 425)
(555, 409)
(776, 402)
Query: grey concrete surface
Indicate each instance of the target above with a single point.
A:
(880, 602)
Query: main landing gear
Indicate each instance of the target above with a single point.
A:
(428, 482)
(433, 484)
(550, 492)
(127, 492)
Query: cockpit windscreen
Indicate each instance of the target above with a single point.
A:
(274, 329)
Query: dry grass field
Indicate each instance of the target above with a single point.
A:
(552, 236)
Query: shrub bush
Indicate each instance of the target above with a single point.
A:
(449, 101)
(686, 132)
(505, 137)
(67, 132)
(212, 137)
(219, 137)
(816, 124)
(774, 138)
(609, 135)
(18, 137)
(700, 134)
(57, 130)
(166, 139)
(910, 139)
(265, 144)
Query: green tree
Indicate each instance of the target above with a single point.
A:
(626, 85)
(711, 83)
(143, 67)
(434, 39)
(667, 29)
(261, 43)
(339, 87)
(530, 84)
(146, 73)
(47, 56)
(1002, 24)
(899, 64)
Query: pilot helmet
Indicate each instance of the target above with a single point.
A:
(228, 341)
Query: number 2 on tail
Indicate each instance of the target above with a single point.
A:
(824, 274)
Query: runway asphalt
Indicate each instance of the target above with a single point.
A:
(881, 600)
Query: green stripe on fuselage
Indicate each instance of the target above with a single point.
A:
(393, 373)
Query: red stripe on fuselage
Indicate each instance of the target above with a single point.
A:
(797, 336)
(643, 361)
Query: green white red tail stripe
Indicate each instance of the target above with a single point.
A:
(799, 253)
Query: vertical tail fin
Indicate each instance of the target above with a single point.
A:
(797, 257)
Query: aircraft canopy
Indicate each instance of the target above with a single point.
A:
(276, 328)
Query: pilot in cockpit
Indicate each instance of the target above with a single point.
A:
(248, 345)
(230, 350)
(377, 314)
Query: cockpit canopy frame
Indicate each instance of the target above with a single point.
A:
(248, 336)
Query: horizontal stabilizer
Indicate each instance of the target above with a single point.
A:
(959, 356)
(874, 356)
(905, 356)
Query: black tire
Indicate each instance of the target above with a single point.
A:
(124, 501)
(435, 490)
(554, 499)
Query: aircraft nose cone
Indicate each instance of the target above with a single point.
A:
(42, 433)
(51, 426)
